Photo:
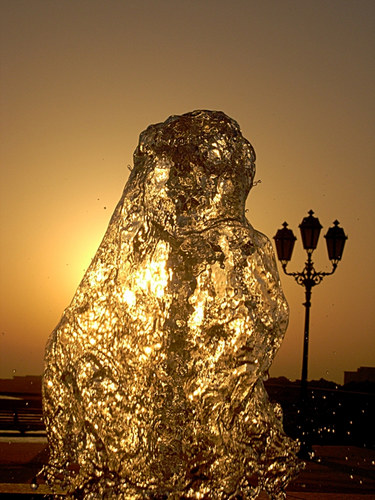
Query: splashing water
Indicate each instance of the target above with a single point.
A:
(153, 383)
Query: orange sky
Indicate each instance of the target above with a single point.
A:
(81, 79)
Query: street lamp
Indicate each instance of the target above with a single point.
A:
(310, 228)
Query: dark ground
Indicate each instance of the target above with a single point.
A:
(338, 472)
(340, 421)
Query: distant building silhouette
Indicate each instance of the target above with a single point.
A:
(363, 374)
(30, 384)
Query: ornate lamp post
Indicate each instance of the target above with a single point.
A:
(310, 229)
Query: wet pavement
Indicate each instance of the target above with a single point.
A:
(336, 473)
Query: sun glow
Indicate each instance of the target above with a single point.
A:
(153, 276)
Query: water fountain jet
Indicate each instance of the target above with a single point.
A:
(153, 382)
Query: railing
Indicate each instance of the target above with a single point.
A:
(21, 412)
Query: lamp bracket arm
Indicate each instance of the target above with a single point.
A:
(309, 277)
(316, 277)
(299, 277)
(284, 264)
(334, 267)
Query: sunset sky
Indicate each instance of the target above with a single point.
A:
(80, 79)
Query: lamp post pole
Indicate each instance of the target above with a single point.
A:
(308, 278)
(307, 305)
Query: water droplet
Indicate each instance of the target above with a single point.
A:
(34, 485)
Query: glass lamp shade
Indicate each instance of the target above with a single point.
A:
(284, 240)
(335, 239)
(310, 229)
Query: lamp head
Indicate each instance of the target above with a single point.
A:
(310, 229)
(284, 240)
(335, 239)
